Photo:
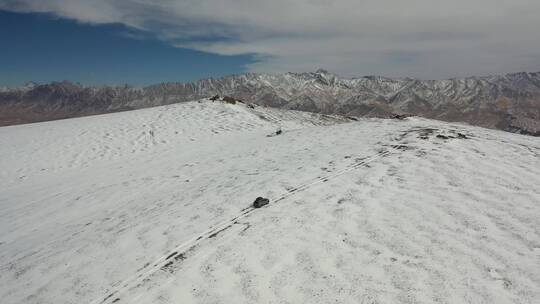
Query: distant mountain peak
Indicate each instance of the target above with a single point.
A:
(30, 84)
(322, 71)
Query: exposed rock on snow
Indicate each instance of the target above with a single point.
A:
(260, 201)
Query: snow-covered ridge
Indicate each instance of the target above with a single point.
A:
(510, 102)
(153, 206)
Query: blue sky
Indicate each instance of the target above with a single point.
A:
(43, 48)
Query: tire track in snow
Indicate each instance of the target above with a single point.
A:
(178, 253)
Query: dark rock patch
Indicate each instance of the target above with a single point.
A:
(402, 147)
(229, 99)
(260, 201)
(213, 235)
(168, 267)
(462, 136)
(180, 257)
(425, 133)
(108, 297)
(400, 116)
(278, 132)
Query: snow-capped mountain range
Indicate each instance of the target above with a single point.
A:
(510, 102)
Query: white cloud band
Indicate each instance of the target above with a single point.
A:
(422, 38)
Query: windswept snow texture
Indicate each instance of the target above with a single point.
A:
(154, 206)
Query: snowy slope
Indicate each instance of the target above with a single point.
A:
(152, 206)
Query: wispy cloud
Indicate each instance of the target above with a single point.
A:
(423, 38)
